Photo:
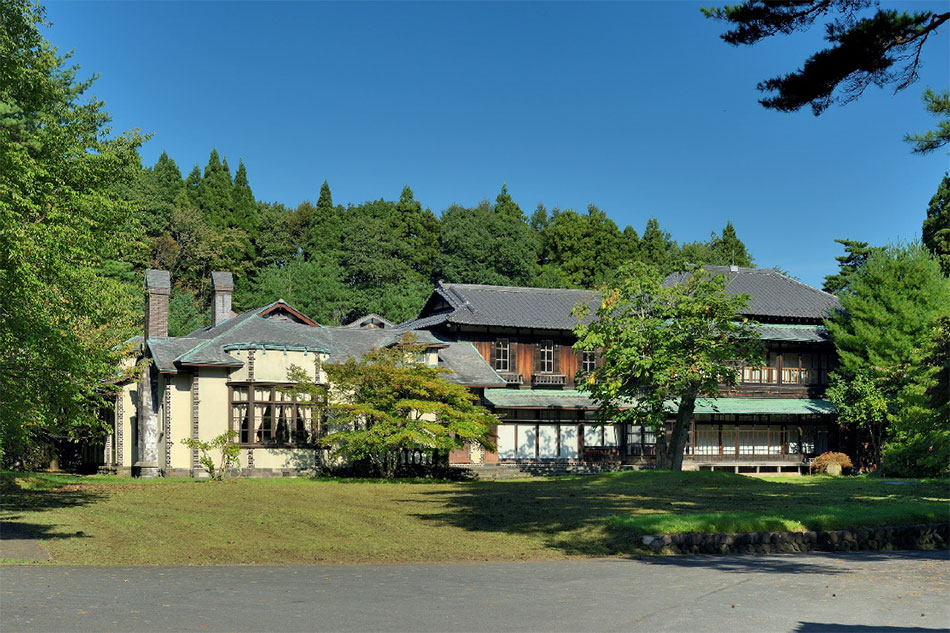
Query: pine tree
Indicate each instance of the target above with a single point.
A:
(856, 253)
(245, 206)
(890, 311)
(936, 229)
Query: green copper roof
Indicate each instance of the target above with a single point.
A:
(573, 399)
(788, 406)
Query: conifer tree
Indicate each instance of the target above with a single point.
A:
(655, 247)
(732, 250)
(891, 308)
(418, 232)
(214, 192)
(631, 242)
(245, 206)
(192, 186)
(505, 206)
(325, 234)
(167, 178)
(936, 229)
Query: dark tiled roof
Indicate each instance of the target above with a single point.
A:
(165, 351)
(796, 333)
(252, 331)
(773, 294)
(371, 318)
(467, 366)
(507, 306)
(210, 346)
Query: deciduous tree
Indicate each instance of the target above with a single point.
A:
(62, 322)
(389, 401)
(664, 345)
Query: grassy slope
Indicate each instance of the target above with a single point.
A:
(105, 520)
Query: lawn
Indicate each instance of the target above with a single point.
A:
(114, 521)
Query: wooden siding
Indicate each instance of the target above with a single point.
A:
(523, 351)
(523, 354)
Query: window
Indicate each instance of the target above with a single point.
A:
(262, 414)
(588, 362)
(546, 357)
(641, 440)
(502, 355)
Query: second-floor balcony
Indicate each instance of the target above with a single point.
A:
(795, 376)
(549, 379)
(511, 379)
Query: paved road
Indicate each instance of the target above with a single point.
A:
(904, 592)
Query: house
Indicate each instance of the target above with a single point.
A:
(772, 420)
(512, 346)
(225, 377)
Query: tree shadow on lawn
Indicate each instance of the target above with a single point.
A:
(573, 514)
(17, 501)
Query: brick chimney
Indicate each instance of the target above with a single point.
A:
(222, 284)
(158, 285)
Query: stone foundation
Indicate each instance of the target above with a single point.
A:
(926, 537)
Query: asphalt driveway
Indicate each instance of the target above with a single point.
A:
(898, 592)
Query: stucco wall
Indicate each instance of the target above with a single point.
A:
(126, 434)
(180, 389)
(272, 365)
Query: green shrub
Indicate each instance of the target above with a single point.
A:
(229, 450)
(923, 455)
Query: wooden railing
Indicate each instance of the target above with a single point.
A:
(789, 376)
(549, 379)
(511, 379)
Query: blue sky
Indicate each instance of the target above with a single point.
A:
(636, 107)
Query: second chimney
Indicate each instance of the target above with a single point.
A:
(157, 288)
(222, 285)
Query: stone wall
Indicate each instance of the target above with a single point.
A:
(927, 536)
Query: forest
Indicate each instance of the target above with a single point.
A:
(336, 262)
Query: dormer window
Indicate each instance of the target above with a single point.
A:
(501, 355)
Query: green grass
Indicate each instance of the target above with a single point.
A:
(114, 521)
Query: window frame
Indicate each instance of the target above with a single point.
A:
(302, 418)
(588, 361)
(546, 357)
(502, 355)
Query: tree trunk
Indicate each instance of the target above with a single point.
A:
(670, 445)
(662, 452)
(681, 430)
